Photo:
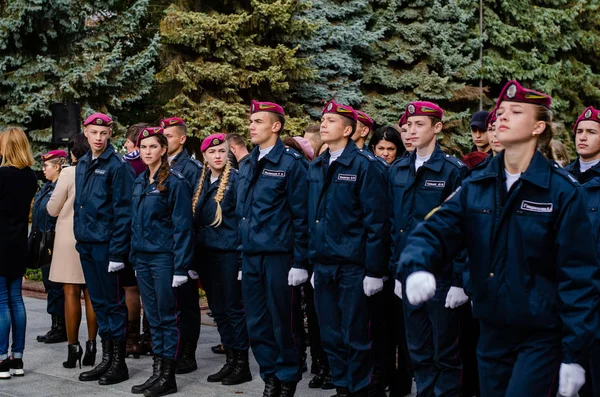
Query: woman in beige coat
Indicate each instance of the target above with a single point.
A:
(66, 266)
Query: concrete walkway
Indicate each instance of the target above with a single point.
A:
(46, 377)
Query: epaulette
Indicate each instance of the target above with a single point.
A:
(293, 153)
(382, 161)
(121, 158)
(367, 154)
(565, 175)
(178, 174)
(454, 160)
(197, 163)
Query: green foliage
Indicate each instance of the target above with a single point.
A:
(33, 274)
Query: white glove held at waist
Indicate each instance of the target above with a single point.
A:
(456, 297)
(179, 280)
(372, 285)
(570, 379)
(115, 266)
(297, 276)
(420, 287)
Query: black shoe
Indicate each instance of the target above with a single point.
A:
(226, 370)
(118, 371)
(288, 389)
(60, 332)
(272, 386)
(166, 383)
(316, 382)
(327, 383)
(187, 363)
(74, 353)
(218, 349)
(5, 369)
(315, 367)
(100, 369)
(156, 371)
(89, 358)
(241, 369)
(42, 338)
(16, 367)
(342, 392)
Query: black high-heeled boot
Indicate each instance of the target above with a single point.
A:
(74, 354)
(89, 357)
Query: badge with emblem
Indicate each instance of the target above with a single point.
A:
(411, 108)
(588, 113)
(145, 133)
(329, 107)
(215, 142)
(162, 124)
(512, 91)
(99, 121)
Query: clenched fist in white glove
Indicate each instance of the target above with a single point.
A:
(456, 297)
(297, 276)
(179, 280)
(115, 266)
(193, 274)
(240, 275)
(420, 287)
(571, 378)
(398, 289)
(372, 285)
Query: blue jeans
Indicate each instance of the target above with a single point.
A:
(12, 312)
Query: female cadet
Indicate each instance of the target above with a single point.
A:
(532, 258)
(161, 252)
(215, 226)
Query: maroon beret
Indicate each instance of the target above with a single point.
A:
(342, 110)
(514, 92)
(53, 154)
(98, 119)
(271, 107)
(212, 140)
(365, 119)
(147, 133)
(424, 109)
(171, 121)
(402, 120)
(588, 114)
(491, 118)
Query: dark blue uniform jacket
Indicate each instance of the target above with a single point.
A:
(40, 218)
(191, 169)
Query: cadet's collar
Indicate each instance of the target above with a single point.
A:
(350, 151)
(435, 162)
(183, 155)
(106, 154)
(538, 172)
(275, 154)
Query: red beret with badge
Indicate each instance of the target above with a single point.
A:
(148, 132)
(271, 107)
(342, 110)
(98, 119)
(514, 92)
(491, 118)
(402, 120)
(53, 154)
(171, 121)
(212, 140)
(365, 119)
(423, 108)
(590, 114)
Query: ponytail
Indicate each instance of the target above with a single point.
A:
(163, 173)
(199, 188)
(220, 194)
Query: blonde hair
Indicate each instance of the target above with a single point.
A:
(15, 148)
(220, 192)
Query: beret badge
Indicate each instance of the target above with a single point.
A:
(99, 121)
(512, 91)
(411, 109)
(588, 113)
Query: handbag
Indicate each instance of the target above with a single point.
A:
(40, 246)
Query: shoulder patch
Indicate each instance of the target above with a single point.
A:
(293, 153)
(367, 154)
(454, 160)
(120, 157)
(565, 174)
(178, 174)
(197, 163)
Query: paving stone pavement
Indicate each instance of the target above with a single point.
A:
(46, 377)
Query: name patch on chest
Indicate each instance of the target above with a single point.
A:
(532, 206)
(435, 184)
(275, 173)
(99, 172)
(346, 177)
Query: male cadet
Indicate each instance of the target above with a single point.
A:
(478, 126)
(238, 147)
(403, 125)
(102, 219)
(364, 126)
(348, 222)
(418, 184)
(187, 294)
(271, 205)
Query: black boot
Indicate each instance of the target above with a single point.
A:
(187, 362)
(226, 370)
(146, 338)
(42, 338)
(74, 354)
(60, 333)
(288, 389)
(341, 392)
(100, 369)
(89, 358)
(241, 369)
(272, 386)
(156, 371)
(166, 383)
(317, 381)
(117, 372)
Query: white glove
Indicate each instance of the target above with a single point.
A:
(456, 297)
(297, 276)
(312, 280)
(179, 280)
(372, 285)
(420, 287)
(398, 289)
(240, 275)
(193, 274)
(115, 266)
(571, 378)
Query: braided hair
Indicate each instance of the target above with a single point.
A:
(220, 192)
(199, 188)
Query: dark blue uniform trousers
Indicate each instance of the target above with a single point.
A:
(106, 291)
(343, 314)
(154, 274)
(55, 304)
(188, 300)
(432, 336)
(270, 316)
(218, 273)
(516, 361)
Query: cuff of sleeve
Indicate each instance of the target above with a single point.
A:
(569, 358)
(117, 258)
(180, 272)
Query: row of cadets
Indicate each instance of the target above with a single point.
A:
(217, 258)
(418, 184)
(347, 247)
(532, 259)
(161, 252)
(273, 232)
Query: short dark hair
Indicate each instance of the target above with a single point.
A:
(434, 120)
(78, 145)
(134, 131)
(348, 122)
(236, 139)
(313, 129)
(390, 134)
(278, 117)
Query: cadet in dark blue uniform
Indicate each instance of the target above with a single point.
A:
(271, 206)
(102, 219)
(418, 184)
(364, 126)
(402, 123)
(55, 307)
(532, 258)
(216, 227)
(187, 295)
(587, 171)
(161, 252)
(348, 222)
